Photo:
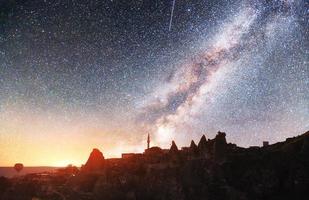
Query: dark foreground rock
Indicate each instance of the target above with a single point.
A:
(214, 170)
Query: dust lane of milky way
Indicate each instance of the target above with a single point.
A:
(192, 89)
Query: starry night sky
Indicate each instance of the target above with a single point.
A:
(80, 74)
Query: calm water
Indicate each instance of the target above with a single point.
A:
(10, 171)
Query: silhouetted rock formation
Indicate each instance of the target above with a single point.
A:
(202, 145)
(95, 161)
(205, 147)
(229, 172)
(278, 171)
(174, 148)
(193, 148)
(220, 147)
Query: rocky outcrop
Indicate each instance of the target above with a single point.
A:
(245, 174)
(174, 148)
(220, 147)
(202, 145)
(193, 148)
(278, 171)
(95, 161)
(205, 147)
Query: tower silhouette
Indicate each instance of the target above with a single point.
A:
(148, 141)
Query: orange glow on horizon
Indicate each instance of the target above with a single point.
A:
(40, 142)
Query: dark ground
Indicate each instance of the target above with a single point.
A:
(212, 170)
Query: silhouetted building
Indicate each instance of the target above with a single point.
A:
(131, 155)
(154, 154)
(148, 141)
(185, 149)
(265, 143)
(153, 151)
(127, 155)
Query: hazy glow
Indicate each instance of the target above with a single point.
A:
(48, 140)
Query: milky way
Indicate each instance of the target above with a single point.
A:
(243, 45)
(75, 75)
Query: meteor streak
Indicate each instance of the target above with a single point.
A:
(172, 13)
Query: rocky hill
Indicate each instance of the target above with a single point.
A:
(213, 169)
